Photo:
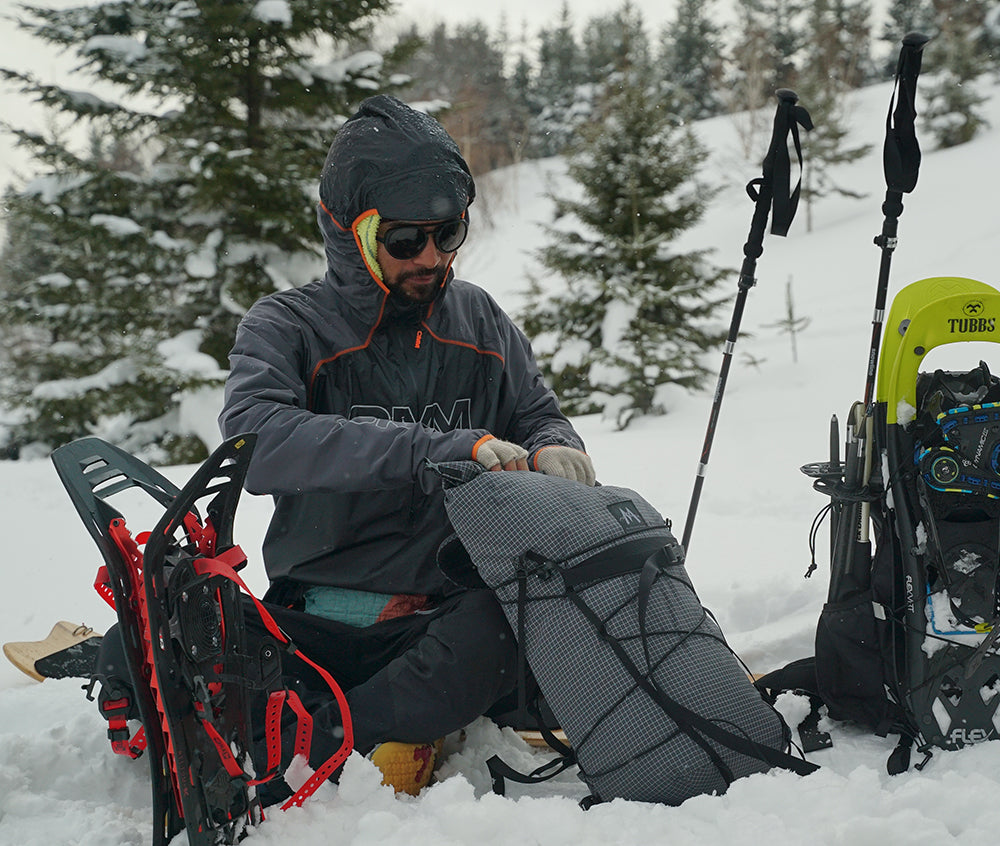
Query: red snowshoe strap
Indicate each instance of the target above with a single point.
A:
(117, 707)
(225, 753)
(122, 741)
(203, 538)
(115, 711)
(224, 565)
(272, 726)
(102, 584)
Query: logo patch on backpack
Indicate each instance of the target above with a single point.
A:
(626, 513)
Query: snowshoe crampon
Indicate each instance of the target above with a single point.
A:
(908, 640)
(181, 615)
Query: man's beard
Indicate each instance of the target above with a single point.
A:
(417, 286)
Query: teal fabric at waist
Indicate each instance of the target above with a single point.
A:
(354, 607)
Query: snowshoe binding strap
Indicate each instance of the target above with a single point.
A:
(220, 567)
(117, 705)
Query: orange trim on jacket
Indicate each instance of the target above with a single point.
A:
(335, 356)
(465, 344)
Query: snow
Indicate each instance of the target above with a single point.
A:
(354, 65)
(54, 280)
(117, 373)
(120, 226)
(181, 353)
(272, 11)
(129, 49)
(60, 783)
(51, 188)
(87, 101)
(201, 264)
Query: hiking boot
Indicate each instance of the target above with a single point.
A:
(406, 767)
(69, 651)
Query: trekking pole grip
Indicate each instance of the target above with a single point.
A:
(901, 167)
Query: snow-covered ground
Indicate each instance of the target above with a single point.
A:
(61, 784)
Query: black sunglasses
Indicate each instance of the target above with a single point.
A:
(409, 240)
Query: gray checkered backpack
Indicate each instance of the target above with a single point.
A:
(653, 702)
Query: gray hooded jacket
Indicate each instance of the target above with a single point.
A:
(349, 392)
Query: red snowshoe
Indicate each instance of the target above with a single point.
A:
(180, 613)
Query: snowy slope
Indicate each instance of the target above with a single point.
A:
(60, 783)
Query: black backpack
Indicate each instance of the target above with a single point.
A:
(907, 641)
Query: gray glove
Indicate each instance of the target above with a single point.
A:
(495, 454)
(566, 462)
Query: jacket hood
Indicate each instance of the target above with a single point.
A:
(389, 162)
(398, 161)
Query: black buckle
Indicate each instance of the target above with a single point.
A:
(118, 735)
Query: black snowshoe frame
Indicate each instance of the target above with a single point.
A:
(180, 613)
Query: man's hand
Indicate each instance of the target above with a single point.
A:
(566, 462)
(495, 454)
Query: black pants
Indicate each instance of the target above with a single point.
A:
(412, 679)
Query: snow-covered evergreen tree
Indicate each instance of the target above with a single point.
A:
(837, 60)
(769, 34)
(634, 314)
(103, 331)
(561, 95)
(140, 272)
(691, 59)
(955, 60)
(615, 38)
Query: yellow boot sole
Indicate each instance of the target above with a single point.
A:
(406, 767)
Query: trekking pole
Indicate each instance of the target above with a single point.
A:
(901, 162)
(851, 558)
(772, 189)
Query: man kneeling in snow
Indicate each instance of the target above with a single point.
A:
(351, 384)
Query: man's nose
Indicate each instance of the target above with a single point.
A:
(430, 255)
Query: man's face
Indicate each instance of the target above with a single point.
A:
(416, 279)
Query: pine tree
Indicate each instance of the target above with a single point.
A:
(691, 59)
(763, 60)
(561, 95)
(837, 60)
(956, 58)
(791, 323)
(462, 67)
(523, 105)
(634, 313)
(94, 315)
(610, 39)
(141, 271)
(851, 40)
(991, 32)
